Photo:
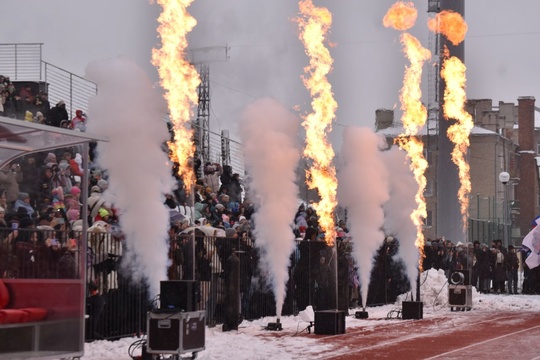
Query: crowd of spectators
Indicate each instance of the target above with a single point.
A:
(40, 212)
(40, 221)
(23, 103)
(492, 269)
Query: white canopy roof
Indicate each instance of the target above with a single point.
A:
(19, 137)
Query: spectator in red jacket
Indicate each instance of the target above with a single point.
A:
(78, 122)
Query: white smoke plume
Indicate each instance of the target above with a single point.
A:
(130, 112)
(398, 210)
(363, 189)
(268, 133)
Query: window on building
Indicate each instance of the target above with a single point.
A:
(538, 148)
(428, 221)
(428, 191)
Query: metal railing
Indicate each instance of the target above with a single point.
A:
(74, 90)
(21, 61)
(24, 62)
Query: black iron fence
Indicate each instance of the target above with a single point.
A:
(485, 231)
(117, 306)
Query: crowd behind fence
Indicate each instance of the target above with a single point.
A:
(117, 306)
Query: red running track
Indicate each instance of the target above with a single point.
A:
(470, 335)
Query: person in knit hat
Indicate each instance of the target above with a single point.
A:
(28, 116)
(73, 215)
(57, 114)
(50, 158)
(231, 233)
(78, 122)
(95, 202)
(23, 202)
(39, 118)
(103, 185)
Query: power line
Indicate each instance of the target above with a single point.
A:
(233, 89)
(503, 34)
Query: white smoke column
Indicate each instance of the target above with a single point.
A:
(363, 189)
(398, 210)
(268, 133)
(130, 112)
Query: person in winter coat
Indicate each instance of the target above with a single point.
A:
(212, 172)
(78, 122)
(42, 104)
(57, 114)
(511, 263)
(499, 272)
(484, 268)
(43, 187)
(9, 180)
(75, 165)
(23, 201)
(95, 202)
(26, 92)
(226, 179)
(235, 190)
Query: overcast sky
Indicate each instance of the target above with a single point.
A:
(266, 57)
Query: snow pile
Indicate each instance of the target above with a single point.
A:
(433, 289)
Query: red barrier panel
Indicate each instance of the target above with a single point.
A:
(61, 298)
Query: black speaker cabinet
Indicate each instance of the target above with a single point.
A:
(412, 310)
(181, 295)
(460, 296)
(175, 333)
(329, 322)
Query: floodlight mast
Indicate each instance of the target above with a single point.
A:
(201, 57)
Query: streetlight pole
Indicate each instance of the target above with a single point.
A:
(504, 178)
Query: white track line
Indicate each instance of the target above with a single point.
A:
(342, 352)
(484, 342)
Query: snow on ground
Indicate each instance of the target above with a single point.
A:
(252, 342)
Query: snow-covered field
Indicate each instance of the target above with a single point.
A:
(251, 341)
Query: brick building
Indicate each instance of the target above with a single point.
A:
(504, 138)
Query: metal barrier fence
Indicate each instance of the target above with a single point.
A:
(485, 231)
(117, 306)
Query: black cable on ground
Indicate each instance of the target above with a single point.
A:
(134, 346)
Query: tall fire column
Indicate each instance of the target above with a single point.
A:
(448, 216)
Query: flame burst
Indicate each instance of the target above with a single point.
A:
(322, 175)
(453, 72)
(414, 112)
(453, 26)
(401, 16)
(450, 24)
(180, 80)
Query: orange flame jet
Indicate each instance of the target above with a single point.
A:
(453, 26)
(402, 16)
(180, 80)
(322, 174)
